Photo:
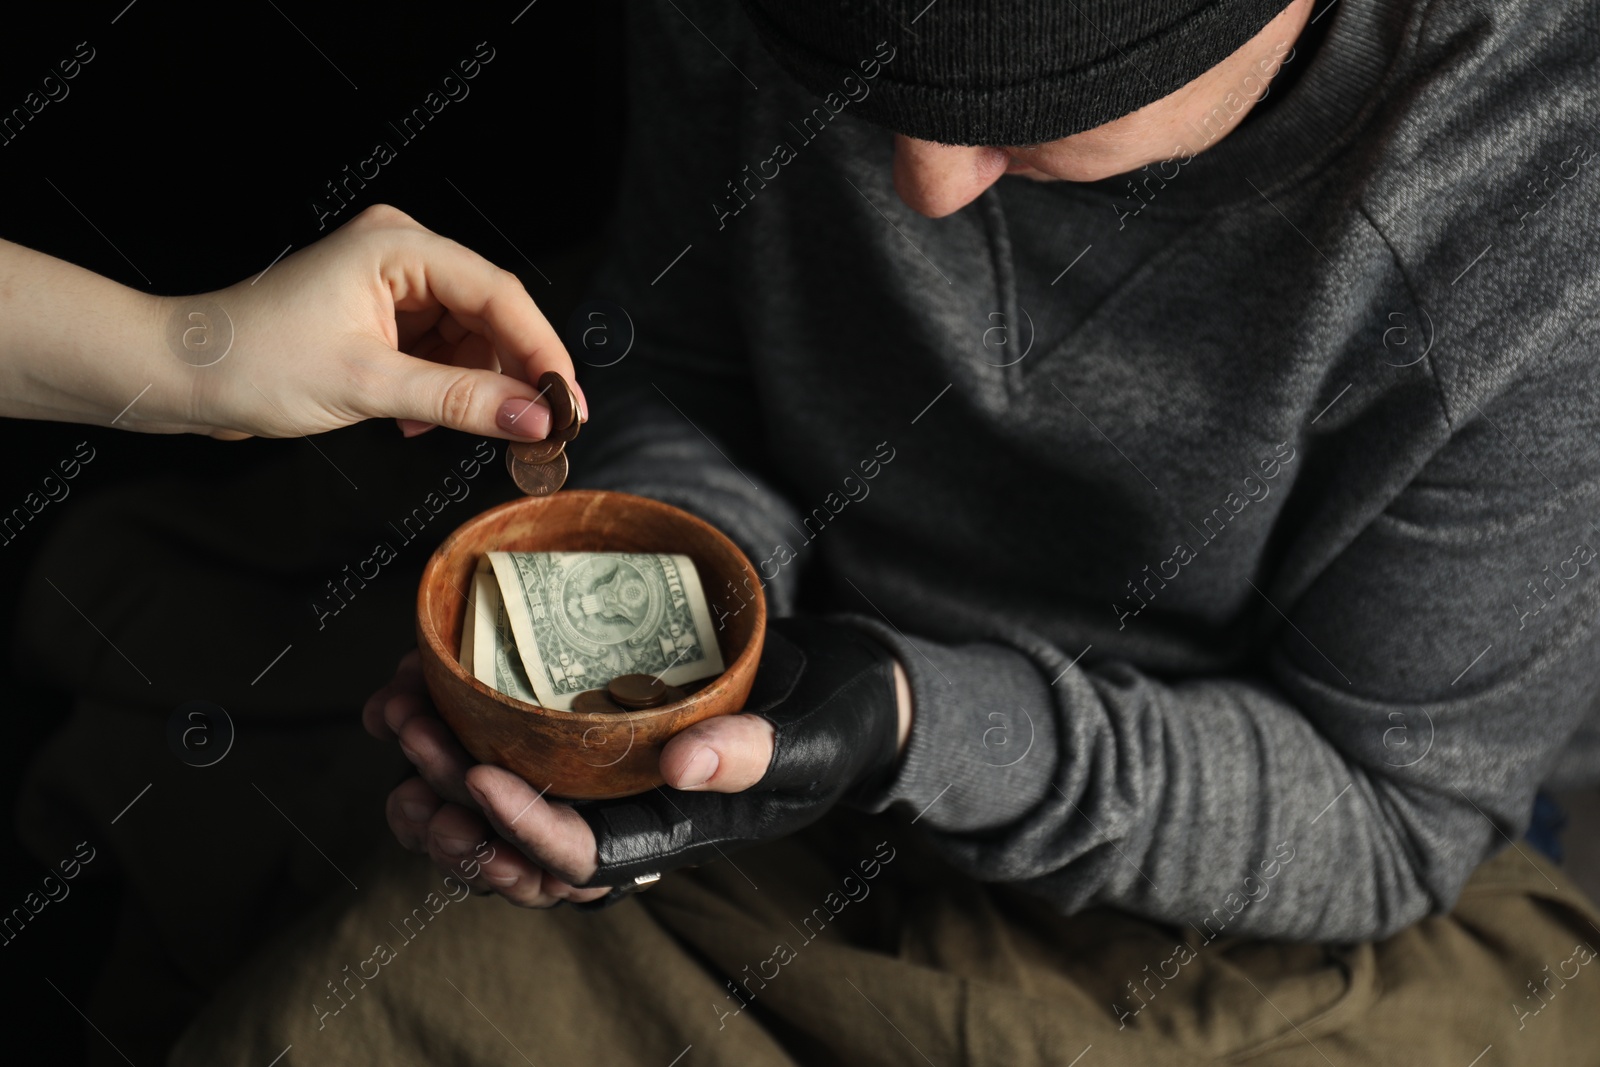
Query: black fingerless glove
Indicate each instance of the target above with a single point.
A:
(828, 690)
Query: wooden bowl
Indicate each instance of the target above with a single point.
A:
(574, 754)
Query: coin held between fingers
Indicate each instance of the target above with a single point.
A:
(565, 433)
(540, 467)
(559, 395)
(536, 451)
(538, 479)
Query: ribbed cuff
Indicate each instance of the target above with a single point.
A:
(983, 748)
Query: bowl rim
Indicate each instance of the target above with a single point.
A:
(452, 663)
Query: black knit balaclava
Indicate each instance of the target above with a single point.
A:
(1004, 72)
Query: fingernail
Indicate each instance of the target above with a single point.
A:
(410, 755)
(482, 803)
(583, 401)
(412, 427)
(415, 812)
(453, 846)
(524, 418)
(504, 881)
(702, 765)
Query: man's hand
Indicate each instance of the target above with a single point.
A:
(830, 712)
(441, 812)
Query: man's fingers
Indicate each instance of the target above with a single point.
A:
(553, 835)
(375, 714)
(438, 757)
(410, 806)
(372, 715)
(409, 669)
(401, 705)
(560, 890)
(524, 883)
(460, 841)
(724, 754)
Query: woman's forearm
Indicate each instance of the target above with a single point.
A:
(77, 347)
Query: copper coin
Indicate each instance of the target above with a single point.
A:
(536, 451)
(564, 434)
(594, 700)
(539, 479)
(559, 395)
(637, 691)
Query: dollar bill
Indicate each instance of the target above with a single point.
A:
(577, 620)
(492, 658)
(469, 623)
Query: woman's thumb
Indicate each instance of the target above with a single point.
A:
(482, 402)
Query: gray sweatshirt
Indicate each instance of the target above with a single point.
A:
(1235, 519)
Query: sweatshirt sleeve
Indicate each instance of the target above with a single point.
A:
(1407, 699)
(1415, 694)
(658, 349)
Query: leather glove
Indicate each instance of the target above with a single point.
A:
(828, 690)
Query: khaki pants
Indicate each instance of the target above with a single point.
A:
(848, 944)
(913, 965)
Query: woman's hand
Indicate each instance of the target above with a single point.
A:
(829, 714)
(382, 318)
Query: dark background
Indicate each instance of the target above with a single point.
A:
(191, 148)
